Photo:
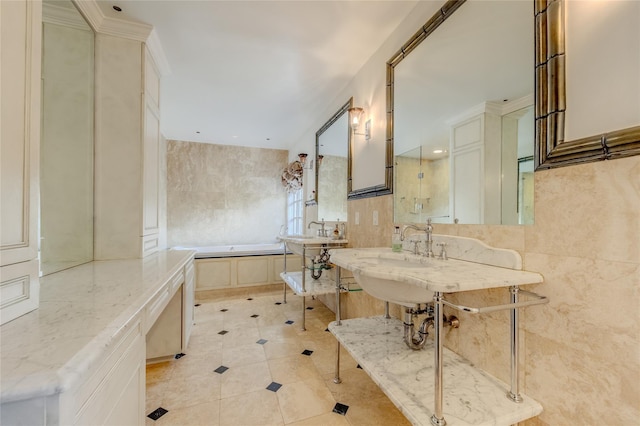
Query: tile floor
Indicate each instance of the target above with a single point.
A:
(249, 363)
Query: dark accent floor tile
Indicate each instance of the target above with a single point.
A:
(309, 308)
(359, 366)
(223, 310)
(273, 387)
(340, 409)
(278, 303)
(180, 355)
(262, 341)
(289, 322)
(197, 304)
(223, 332)
(250, 298)
(157, 413)
(307, 352)
(255, 316)
(326, 329)
(221, 369)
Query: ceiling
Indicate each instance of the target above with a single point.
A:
(258, 73)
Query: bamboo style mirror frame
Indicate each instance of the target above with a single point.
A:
(328, 153)
(551, 149)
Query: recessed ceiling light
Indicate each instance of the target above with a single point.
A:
(197, 132)
(438, 151)
(117, 8)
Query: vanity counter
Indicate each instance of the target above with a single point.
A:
(84, 312)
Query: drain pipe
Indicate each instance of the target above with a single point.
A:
(418, 342)
(413, 341)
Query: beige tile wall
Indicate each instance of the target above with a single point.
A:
(581, 352)
(221, 194)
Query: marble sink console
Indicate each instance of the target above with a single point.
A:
(309, 281)
(298, 241)
(410, 279)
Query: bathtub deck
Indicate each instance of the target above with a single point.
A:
(324, 285)
(471, 396)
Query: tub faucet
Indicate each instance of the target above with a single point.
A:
(321, 232)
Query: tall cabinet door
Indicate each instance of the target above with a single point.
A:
(20, 40)
(151, 157)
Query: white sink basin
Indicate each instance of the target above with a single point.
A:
(408, 279)
(312, 245)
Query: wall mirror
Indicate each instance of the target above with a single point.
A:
(575, 111)
(66, 149)
(332, 157)
(460, 102)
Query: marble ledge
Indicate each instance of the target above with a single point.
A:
(432, 274)
(324, 285)
(471, 396)
(82, 311)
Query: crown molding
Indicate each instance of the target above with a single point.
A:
(157, 53)
(68, 17)
(138, 31)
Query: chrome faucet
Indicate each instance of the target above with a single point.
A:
(429, 242)
(321, 232)
(428, 230)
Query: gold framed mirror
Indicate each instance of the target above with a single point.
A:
(333, 156)
(552, 150)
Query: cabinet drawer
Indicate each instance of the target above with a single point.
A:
(155, 307)
(175, 282)
(95, 398)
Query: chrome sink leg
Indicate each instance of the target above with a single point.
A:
(514, 393)
(284, 297)
(304, 308)
(337, 379)
(437, 419)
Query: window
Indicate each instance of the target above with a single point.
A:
(294, 212)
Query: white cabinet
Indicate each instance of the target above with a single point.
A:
(20, 40)
(151, 157)
(188, 312)
(127, 153)
(475, 168)
(234, 272)
(115, 394)
(170, 316)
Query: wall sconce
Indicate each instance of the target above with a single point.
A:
(303, 161)
(355, 118)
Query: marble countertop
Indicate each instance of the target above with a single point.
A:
(311, 240)
(82, 310)
(471, 396)
(433, 274)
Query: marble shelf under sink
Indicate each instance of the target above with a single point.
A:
(471, 396)
(324, 285)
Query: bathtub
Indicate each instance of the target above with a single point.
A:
(237, 250)
(240, 265)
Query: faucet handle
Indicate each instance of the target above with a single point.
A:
(415, 246)
(443, 251)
